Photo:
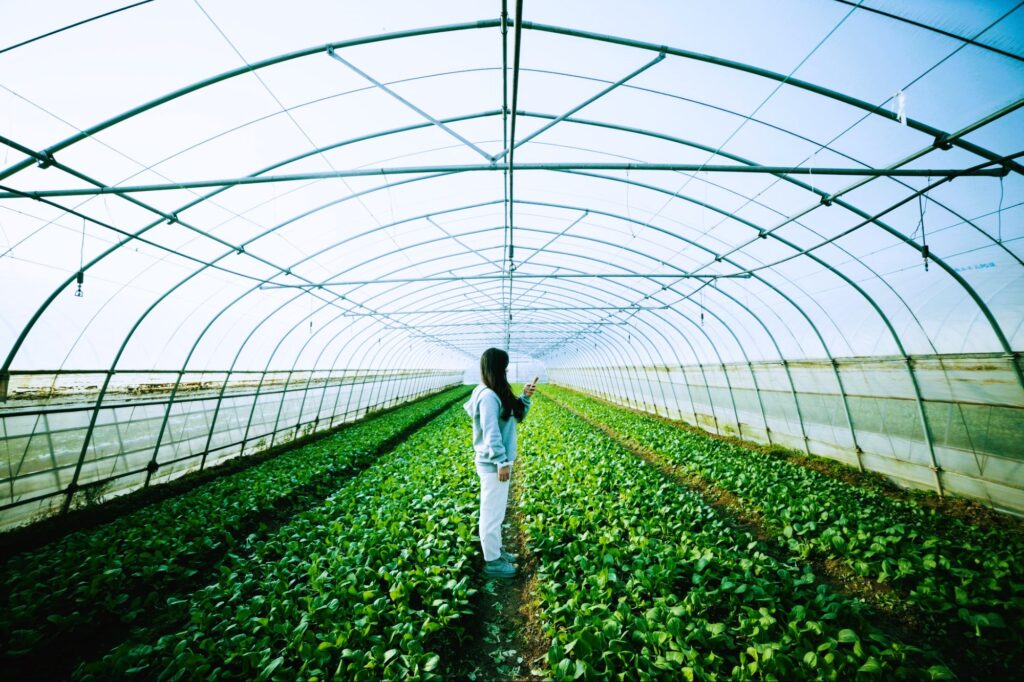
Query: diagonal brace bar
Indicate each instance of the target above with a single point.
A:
(334, 55)
(591, 100)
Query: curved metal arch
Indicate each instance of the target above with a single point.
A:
(799, 251)
(961, 281)
(989, 316)
(420, 263)
(915, 387)
(792, 246)
(270, 357)
(796, 401)
(423, 352)
(364, 137)
(739, 345)
(726, 326)
(240, 71)
(99, 402)
(872, 109)
(435, 213)
(793, 180)
(483, 24)
(317, 362)
(926, 429)
(638, 253)
(625, 86)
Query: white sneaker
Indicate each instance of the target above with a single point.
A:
(499, 568)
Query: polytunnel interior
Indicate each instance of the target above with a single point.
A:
(228, 227)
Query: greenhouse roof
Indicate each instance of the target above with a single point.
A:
(216, 184)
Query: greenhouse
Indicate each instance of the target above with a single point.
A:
(757, 269)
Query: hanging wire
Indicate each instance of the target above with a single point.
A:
(922, 208)
(702, 305)
(74, 25)
(629, 208)
(391, 199)
(999, 213)
(80, 278)
(704, 208)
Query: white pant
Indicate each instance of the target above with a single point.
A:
(493, 502)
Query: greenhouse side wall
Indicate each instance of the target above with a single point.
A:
(965, 436)
(150, 428)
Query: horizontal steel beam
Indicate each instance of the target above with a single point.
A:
(478, 278)
(384, 313)
(484, 323)
(512, 330)
(997, 171)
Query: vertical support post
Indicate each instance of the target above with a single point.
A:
(936, 469)
(857, 451)
(799, 412)
(760, 402)
(732, 399)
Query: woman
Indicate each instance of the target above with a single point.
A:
(495, 411)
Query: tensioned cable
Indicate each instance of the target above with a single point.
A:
(284, 110)
(872, 218)
(935, 29)
(746, 118)
(74, 25)
(143, 168)
(889, 99)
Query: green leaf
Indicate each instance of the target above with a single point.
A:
(941, 672)
(271, 667)
(848, 636)
(870, 666)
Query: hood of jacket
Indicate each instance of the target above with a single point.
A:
(474, 399)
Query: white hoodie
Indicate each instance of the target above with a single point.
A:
(494, 438)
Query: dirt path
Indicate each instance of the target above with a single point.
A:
(505, 640)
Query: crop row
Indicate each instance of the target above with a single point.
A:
(967, 579)
(116, 572)
(371, 584)
(640, 579)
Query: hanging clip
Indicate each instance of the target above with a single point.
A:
(901, 107)
(825, 200)
(80, 279)
(942, 142)
(924, 254)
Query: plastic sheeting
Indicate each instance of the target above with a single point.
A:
(341, 188)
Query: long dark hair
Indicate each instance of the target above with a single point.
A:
(493, 364)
